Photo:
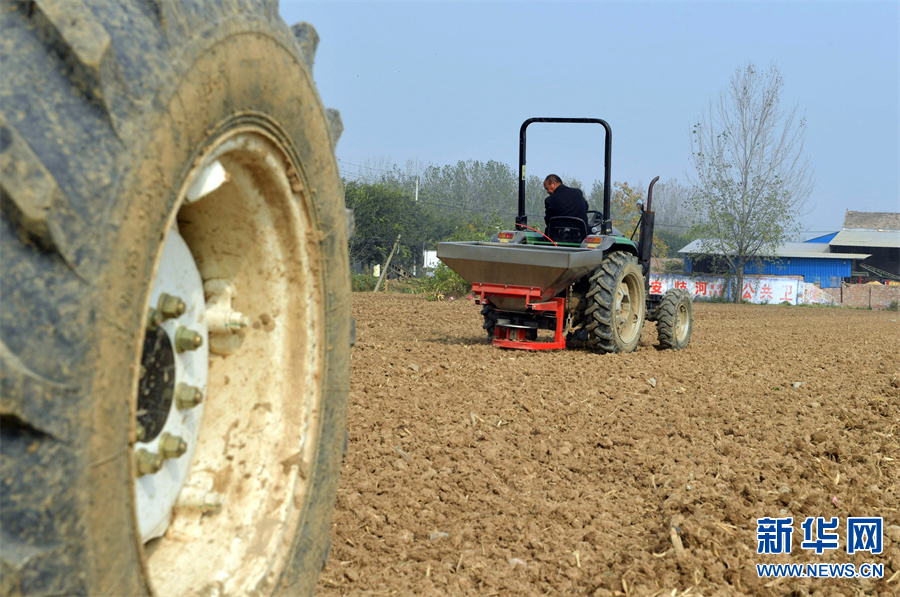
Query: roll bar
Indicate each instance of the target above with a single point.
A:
(606, 226)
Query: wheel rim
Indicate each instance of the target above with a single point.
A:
(681, 322)
(168, 426)
(629, 305)
(220, 517)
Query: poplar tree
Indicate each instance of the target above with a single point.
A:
(751, 177)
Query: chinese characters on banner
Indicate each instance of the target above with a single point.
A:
(756, 289)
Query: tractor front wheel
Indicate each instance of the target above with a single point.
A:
(616, 304)
(675, 319)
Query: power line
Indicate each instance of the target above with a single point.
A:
(342, 162)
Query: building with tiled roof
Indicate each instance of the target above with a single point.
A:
(876, 233)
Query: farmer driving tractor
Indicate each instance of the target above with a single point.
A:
(563, 201)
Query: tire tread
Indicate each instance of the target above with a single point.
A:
(82, 42)
(666, 319)
(601, 296)
(83, 82)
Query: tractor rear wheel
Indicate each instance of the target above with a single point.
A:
(616, 304)
(175, 331)
(675, 319)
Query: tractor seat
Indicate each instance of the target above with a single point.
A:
(567, 229)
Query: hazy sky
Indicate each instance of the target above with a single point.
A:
(440, 82)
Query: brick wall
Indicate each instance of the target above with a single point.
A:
(863, 296)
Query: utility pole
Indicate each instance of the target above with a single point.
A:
(387, 264)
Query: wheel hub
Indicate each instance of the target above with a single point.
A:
(623, 307)
(681, 322)
(175, 355)
(157, 385)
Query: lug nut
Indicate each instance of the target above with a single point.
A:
(139, 432)
(171, 446)
(147, 462)
(170, 306)
(186, 339)
(187, 396)
(154, 318)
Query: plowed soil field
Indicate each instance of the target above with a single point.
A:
(474, 470)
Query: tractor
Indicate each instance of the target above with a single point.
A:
(581, 281)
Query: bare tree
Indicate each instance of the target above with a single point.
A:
(672, 204)
(751, 176)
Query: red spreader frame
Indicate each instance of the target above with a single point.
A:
(509, 337)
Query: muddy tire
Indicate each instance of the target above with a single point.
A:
(616, 304)
(490, 320)
(149, 150)
(675, 319)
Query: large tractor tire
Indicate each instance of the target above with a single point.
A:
(675, 319)
(616, 304)
(175, 325)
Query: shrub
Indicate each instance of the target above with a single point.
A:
(362, 282)
(711, 299)
(445, 283)
(673, 267)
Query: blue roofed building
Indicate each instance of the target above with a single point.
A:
(825, 238)
(867, 248)
(812, 260)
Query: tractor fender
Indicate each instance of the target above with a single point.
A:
(615, 243)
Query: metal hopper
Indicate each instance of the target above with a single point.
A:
(548, 270)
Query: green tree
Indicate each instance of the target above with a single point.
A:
(623, 204)
(674, 239)
(625, 215)
(470, 187)
(672, 203)
(378, 214)
(751, 177)
(595, 197)
(381, 214)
